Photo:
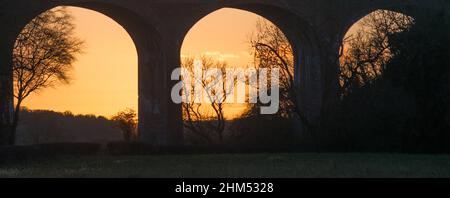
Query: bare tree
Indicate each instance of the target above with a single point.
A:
(366, 89)
(362, 56)
(207, 118)
(272, 49)
(366, 51)
(43, 55)
(127, 122)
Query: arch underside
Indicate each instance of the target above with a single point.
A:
(152, 86)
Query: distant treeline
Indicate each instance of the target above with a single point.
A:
(42, 126)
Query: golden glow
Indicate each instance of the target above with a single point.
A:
(105, 75)
(224, 35)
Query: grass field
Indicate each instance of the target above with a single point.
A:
(240, 166)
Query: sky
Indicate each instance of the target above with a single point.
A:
(225, 35)
(105, 75)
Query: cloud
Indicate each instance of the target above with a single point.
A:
(221, 56)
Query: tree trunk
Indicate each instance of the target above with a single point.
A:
(12, 138)
(6, 109)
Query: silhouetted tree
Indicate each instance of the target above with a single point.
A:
(394, 77)
(206, 119)
(272, 49)
(365, 52)
(371, 112)
(44, 126)
(421, 67)
(127, 122)
(43, 56)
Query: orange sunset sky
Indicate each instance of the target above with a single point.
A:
(105, 75)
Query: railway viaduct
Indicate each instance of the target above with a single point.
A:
(315, 28)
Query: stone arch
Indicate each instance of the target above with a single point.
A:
(305, 44)
(151, 59)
